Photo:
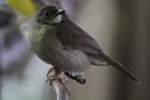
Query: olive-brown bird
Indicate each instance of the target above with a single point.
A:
(61, 43)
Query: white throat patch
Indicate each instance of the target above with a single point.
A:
(58, 19)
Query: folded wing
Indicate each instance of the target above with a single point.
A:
(73, 37)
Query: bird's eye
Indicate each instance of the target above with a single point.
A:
(46, 14)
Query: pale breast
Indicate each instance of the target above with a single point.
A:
(80, 60)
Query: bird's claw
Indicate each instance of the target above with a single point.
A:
(52, 76)
(50, 71)
(61, 80)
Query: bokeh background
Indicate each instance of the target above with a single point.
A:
(122, 28)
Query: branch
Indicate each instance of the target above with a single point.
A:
(61, 92)
(58, 82)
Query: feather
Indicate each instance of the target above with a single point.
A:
(73, 37)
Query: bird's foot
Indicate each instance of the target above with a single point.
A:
(53, 76)
(49, 73)
(51, 70)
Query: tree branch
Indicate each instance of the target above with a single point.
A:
(58, 82)
(61, 92)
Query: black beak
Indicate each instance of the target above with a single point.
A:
(60, 12)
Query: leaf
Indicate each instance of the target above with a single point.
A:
(25, 7)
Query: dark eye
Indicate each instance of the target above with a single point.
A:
(46, 14)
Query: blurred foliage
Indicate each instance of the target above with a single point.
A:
(6, 17)
(25, 7)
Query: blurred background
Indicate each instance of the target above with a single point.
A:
(120, 26)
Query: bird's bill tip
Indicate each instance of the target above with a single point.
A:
(60, 11)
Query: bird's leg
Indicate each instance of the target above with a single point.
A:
(57, 75)
(50, 71)
(78, 78)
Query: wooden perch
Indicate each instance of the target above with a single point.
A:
(58, 82)
(61, 92)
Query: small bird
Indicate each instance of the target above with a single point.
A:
(61, 43)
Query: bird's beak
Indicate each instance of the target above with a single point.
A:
(60, 12)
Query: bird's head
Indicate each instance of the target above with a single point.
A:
(50, 15)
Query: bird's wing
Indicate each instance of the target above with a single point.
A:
(73, 37)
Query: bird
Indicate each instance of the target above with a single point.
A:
(69, 49)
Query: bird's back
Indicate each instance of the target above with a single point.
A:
(73, 37)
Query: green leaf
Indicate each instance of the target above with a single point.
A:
(25, 7)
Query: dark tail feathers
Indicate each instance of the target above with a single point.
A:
(121, 68)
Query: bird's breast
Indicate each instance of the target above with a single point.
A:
(43, 41)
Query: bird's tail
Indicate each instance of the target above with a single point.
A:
(121, 68)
